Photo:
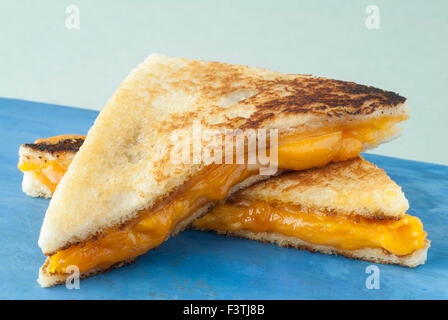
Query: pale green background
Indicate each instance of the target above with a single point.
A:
(41, 60)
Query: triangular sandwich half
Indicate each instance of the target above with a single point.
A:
(123, 194)
(351, 208)
(45, 162)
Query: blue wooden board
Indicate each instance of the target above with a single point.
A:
(196, 265)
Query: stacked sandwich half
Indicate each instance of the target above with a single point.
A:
(124, 194)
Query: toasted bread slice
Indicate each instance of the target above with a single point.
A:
(353, 187)
(351, 208)
(45, 161)
(123, 177)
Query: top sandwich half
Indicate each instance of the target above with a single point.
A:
(124, 168)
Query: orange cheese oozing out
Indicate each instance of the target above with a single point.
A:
(400, 237)
(49, 172)
(295, 152)
(154, 225)
(316, 149)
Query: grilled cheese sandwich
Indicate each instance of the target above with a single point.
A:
(45, 162)
(122, 187)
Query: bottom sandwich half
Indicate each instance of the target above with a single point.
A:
(351, 208)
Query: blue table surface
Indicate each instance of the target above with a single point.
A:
(197, 265)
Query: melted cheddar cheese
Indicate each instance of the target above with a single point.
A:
(295, 152)
(47, 172)
(400, 237)
(154, 225)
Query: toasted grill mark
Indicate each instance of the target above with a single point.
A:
(296, 94)
(330, 177)
(277, 94)
(282, 94)
(71, 145)
(332, 98)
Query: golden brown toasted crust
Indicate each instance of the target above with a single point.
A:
(352, 187)
(275, 93)
(112, 179)
(324, 97)
(61, 148)
(57, 144)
